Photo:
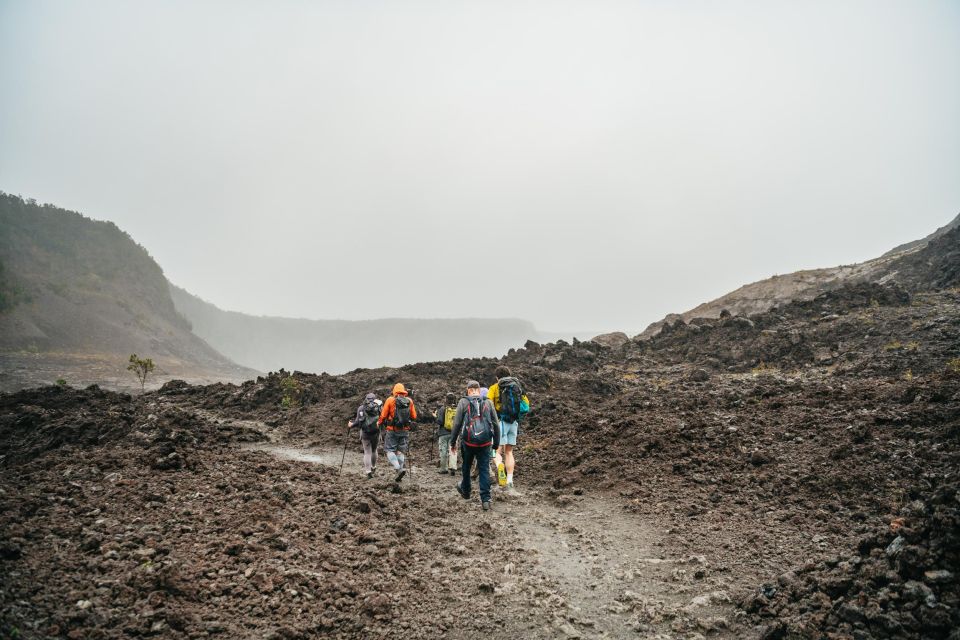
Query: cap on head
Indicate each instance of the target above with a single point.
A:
(473, 384)
(370, 396)
(399, 388)
(451, 398)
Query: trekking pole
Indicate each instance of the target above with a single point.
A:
(409, 460)
(346, 439)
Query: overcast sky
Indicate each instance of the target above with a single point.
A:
(584, 165)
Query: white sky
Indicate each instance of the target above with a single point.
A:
(616, 160)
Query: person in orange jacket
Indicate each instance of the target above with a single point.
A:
(397, 415)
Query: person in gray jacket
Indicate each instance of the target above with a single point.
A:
(477, 428)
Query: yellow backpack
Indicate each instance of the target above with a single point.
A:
(448, 415)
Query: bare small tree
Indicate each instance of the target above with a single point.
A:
(141, 368)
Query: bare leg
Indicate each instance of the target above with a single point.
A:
(508, 461)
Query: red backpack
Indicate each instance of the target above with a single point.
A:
(478, 432)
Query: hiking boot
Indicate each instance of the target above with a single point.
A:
(441, 471)
(486, 506)
(369, 474)
(400, 475)
(452, 472)
(462, 494)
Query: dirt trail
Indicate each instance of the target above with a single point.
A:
(613, 577)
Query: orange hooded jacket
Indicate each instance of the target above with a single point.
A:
(390, 408)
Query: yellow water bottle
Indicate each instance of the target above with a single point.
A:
(501, 474)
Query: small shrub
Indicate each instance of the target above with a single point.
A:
(61, 382)
(534, 445)
(659, 384)
(908, 375)
(291, 392)
(141, 367)
(762, 369)
(896, 345)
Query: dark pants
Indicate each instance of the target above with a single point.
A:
(482, 456)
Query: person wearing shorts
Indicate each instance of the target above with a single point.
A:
(508, 430)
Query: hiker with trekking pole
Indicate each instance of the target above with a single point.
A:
(398, 414)
(367, 419)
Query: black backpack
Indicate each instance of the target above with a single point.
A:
(369, 415)
(478, 432)
(510, 396)
(401, 412)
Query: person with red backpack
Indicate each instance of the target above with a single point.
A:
(367, 419)
(398, 414)
(477, 422)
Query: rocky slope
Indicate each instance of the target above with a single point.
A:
(777, 451)
(757, 297)
(79, 296)
(791, 474)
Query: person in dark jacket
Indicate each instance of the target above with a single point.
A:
(368, 414)
(474, 415)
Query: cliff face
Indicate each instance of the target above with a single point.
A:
(79, 295)
(336, 346)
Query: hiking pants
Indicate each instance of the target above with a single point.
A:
(447, 461)
(396, 444)
(482, 456)
(369, 443)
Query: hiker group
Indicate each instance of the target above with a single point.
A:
(476, 429)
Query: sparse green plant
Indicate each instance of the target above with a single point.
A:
(61, 382)
(908, 375)
(291, 392)
(762, 369)
(896, 345)
(534, 445)
(954, 365)
(660, 384)
(141, 367)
